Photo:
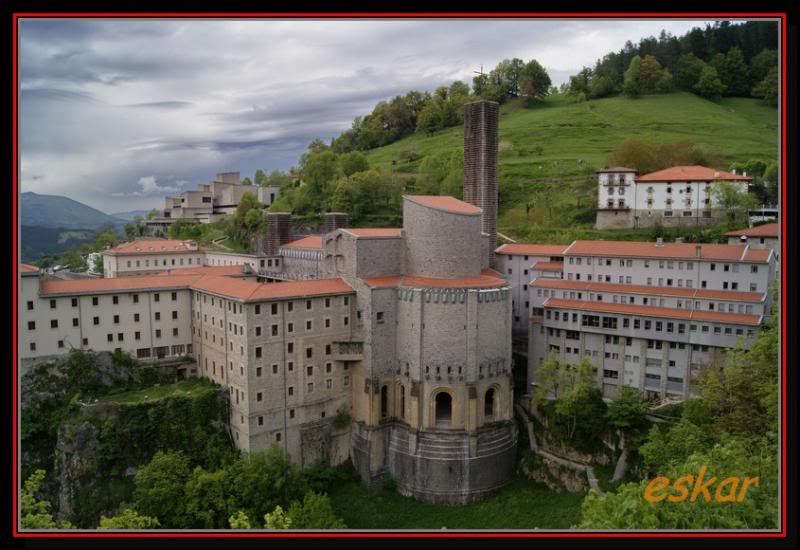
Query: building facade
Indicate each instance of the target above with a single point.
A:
(649, 315)
(681, 195)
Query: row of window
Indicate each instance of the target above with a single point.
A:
(96, 300)
(164, 262)
(588, 320)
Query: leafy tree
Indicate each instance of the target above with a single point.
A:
(762, 64)
(208, 499)
(650, 73)
(664, 84)
(154, 213)
(239, 521)
(771, 181)
(128, 519)
(687, 71)
(767, 88)
(247, 181)
(35, 513)
(733, 199)
(278, 519)
(73, 259)
(458, 88)
(709, 84)
(627, 411)
(632, 83)
(314, 512)
(353, 162)
(106, 239)
(533, 82)
(581, 82)
(602, 86)
(733, 72)
(160, 488)
(260, 178)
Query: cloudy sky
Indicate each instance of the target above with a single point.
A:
(117, 114)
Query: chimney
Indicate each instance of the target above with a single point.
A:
(335, 220)
(279, 231)
(660, 241)
(744, 173)
(733, 171)
(698, 251)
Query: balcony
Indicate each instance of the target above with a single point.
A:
(348, 351)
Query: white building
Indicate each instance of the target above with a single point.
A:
(150, 256)
(760, 236)
(516, 262)
(649, 315)
(681, 195)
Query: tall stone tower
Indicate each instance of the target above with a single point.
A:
(480, 164)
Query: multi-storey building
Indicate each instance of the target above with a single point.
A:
(649, 315)
(681, 195)
(760, 236)
(210, 201)
(518, 262)
(150, 256)
(388, 345)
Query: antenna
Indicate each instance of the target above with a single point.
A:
(481, 71)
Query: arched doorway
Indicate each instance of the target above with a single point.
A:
(488, 405)
(384, 401)
(444, 409)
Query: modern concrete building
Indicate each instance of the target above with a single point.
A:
(649, 315)
(681, 195)
(210, 201)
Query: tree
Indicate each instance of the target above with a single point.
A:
(632, 85)
(650, 73)
(709, 84)
(247, 181)
(128, 519)
(771, 181)
(733, 199)
(767, 88)
(314, 512)
(733, 72)
(534, 82)
(35, 513)
(106, 239)
(260, 178)
(160, 486)
(154, 213)
(353, 162)
(239, 521)
(208, 499)
(762, 64)
(431, 119)
(278, 519)
(664, 84)
(687, 71)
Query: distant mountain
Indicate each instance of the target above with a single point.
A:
(128, 216)
(49, 241)
(54, 211)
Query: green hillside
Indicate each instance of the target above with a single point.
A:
(548, 153)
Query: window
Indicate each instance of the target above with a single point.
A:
(308, 325)
(309, 353)
(96, 320)
(54, 323)
(259, 396)
(158, 315)
(158, 333)
(116, 319)
(115, 300)
(31, 325)
(258, 352)
(137, 335)
(308, 304)
(379, 317)
(52, 304)
(157, 298)
(74, 321)
(310, 387)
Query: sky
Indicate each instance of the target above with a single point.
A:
(118, 114)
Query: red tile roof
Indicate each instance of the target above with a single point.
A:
(366, 232)
(207, 270)
(691, 173)
(681, 251)
(151, 246)
(27, 268)
(251, 291)
(658, 312)
(312, 242)
(445, 203)
(617, 169)
(487, 279)
(728, 295)
(548, 266)
(766, 230)
(525, 249)
(51, 287)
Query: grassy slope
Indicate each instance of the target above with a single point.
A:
(522, 504)
(560, 139)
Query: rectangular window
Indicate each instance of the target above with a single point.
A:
(258, 352)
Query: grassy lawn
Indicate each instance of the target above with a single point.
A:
(558, 145)
(522, 504)
(192, 386)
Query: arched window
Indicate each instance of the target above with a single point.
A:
(488, 404)
(384, 401)
(444, 408)
(402, 402)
